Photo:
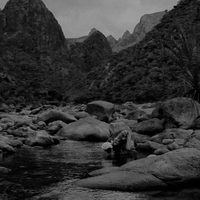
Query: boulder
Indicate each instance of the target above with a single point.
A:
(193, 143)
(5, 147)
(11, 141)
(54, 127)
(170, 169)
(102, 109)
(87, 129)
(179, 111)
(81, 115)
(129, 123)
(138, 115)
(4, 170)
(173, 146)
(196, 123)
(18, 120)
(161, 151)
(55, 115)
(149, 146)
(172, 134)
(22, 132)
(149, 127)
(41, 138)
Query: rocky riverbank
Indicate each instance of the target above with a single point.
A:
(168, 133)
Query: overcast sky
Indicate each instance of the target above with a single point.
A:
(77, 17)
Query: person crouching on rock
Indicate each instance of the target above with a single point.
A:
(122, 144)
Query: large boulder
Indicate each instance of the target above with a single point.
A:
(87, 129)
(171, 169)
(102, 109)
(149, 127)
(55, 115)
(179, 111)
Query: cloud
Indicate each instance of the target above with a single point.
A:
(77, 17)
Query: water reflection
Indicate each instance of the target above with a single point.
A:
(49, 174)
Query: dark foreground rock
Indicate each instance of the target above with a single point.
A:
(87, 129)
(171, 169)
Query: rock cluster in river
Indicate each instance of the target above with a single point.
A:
(162, 128)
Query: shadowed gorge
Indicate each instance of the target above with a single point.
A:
(97, 117)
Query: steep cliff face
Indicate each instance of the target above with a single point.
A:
(30, 22)
(32, 51)
(146, 24)
(145, 72)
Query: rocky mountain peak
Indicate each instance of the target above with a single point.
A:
(126, 35)
(93, 30)
(112, 41)
(32, 20)
(146, 24)
(98, 49)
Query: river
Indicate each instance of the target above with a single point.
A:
(50, 174)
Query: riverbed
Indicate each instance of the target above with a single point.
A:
(50, 174)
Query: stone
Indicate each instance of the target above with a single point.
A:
(149, 146)
(15, 119)
(129, 123)
(149, 127)
(167, 141)
(4, 170)
(138, 115)
(161, 151)
(102, 109)
(87, 129)
(41, 124)
(54, 127)
(41, 138)
(172, 134)
(173, 146)
(153, 173)
(180, 111)
(6, 147)
(55, 115)
(192, 143)
(81, 115)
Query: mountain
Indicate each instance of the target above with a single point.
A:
(86, 59)
(32, 52)
(112, 41)
(30, 20)
(73, 41)
(146, 24)
(145, 72)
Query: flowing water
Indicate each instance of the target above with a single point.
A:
(50, 174)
